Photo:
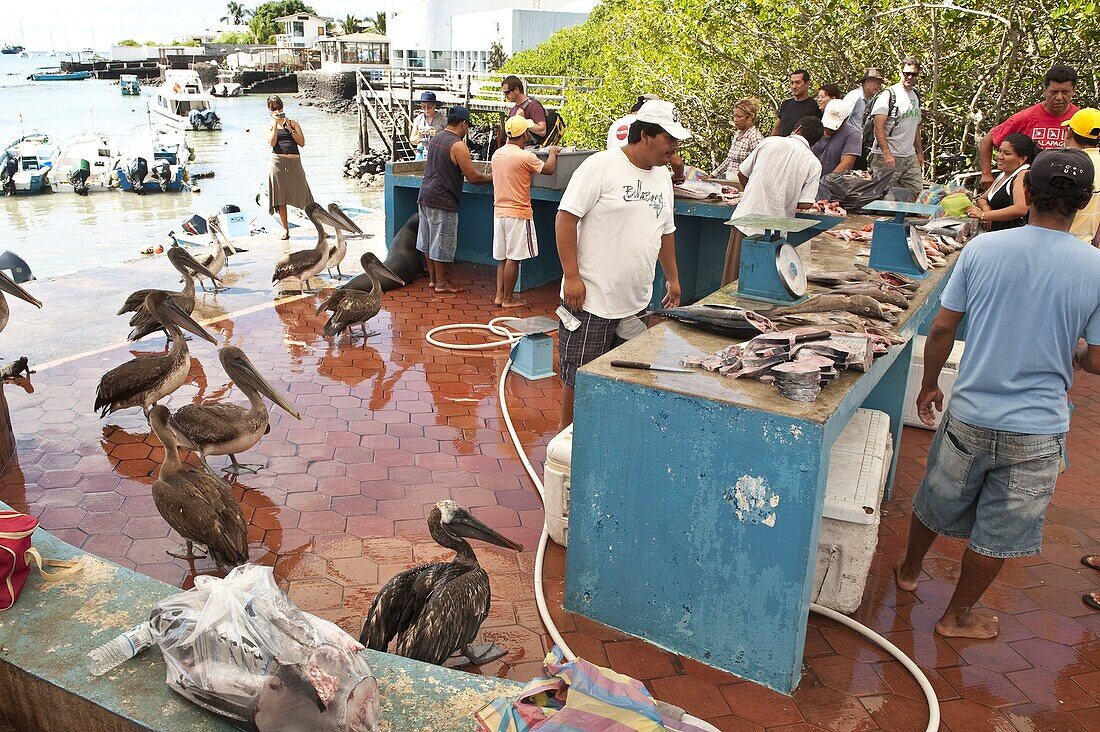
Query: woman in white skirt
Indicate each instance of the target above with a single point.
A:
(286, 180)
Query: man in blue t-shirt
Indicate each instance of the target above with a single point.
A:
(1031, 295)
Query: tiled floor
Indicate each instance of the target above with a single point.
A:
(391, 427)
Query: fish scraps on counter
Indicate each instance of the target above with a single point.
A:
(799, 361)
(862, 234)
(824, 206)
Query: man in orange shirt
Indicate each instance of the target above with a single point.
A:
(513, 226)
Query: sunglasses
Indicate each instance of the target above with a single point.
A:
(910, 74)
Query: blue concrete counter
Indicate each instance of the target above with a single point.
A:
(696, 499)
(701, 233)
(44, 640)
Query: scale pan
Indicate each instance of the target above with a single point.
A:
(916, 249)
(791, 271)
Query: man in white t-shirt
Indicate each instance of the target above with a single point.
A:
(857, 99)
(898, 145)
(620, 128)
(614, 224)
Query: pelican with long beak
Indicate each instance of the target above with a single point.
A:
(143, 321)
(359, 300)
(8, 285)
(304, 264)
(435, 610)
(219, 260)
(198, 506)
(337, 253)
(143, 381)
(224, 428)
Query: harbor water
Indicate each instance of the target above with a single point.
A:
(62, 233)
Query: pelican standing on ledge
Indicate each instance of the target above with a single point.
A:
(436, 609)
(143, 381)
(143, 321)
(226, 428)
(198, 506)
(219, 260)
(359, 300)
(304, 264)
(8, 285)
(337, 253)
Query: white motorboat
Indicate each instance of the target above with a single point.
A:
(184, 103)
(85, 163)
(154, 160)
(224, 86)
(25, 164)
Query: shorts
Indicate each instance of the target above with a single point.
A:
(594, 337)
(438, 233)
(990, 487)
(514, 239)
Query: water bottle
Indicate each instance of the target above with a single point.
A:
(119, 649)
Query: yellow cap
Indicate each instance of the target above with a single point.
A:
(516, 126)
(1085, 122)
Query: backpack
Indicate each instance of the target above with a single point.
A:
(868, 124)
(16, 555)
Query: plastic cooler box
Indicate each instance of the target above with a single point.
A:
(568, 162)
(948, 375)
(858, 465)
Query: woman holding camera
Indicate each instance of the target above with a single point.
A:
(286, 180)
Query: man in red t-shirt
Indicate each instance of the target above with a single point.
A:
(1041, 122)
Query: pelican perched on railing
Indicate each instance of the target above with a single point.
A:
(143, 381)
(198, 506)
(219, 259)
(359, 300)
(435, 610)
(143, 321)
(8, 285)
(304, 264)
(337, 253)
(223, 428)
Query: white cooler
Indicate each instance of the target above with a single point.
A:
(948, 375)
(858, 465)
(555, 482)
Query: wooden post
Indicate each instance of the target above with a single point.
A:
(409, 115)
(467, 102)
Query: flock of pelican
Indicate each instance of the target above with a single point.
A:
(432, 611)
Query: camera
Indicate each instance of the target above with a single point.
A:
(280, 114)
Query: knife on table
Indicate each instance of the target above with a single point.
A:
(649, 367)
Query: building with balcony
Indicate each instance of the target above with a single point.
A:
(354, 51)
(301, 30)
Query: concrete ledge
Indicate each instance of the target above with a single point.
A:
(45, 638)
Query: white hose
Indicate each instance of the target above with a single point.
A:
(509, 338)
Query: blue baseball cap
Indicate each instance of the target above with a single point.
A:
(458, 113)
(427, 96)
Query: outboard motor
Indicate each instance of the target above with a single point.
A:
(138, 171)
(210, 119)
(79, 175)
(7, 175)
(20, 270)
(162, 174)
(195, 119)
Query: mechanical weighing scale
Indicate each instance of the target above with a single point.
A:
(771, 269)
(533, 354)
(896, 246)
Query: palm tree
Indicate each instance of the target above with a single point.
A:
(236, 13)
(377, 24)
(350, 24)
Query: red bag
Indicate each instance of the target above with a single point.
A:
(16, 553)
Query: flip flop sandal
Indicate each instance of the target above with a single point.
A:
(1090, 601)
(1094, 564)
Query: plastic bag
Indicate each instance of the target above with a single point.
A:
(853, 190)
(954, 205)
(238, 647)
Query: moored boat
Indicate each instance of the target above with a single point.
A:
(154, 161)
(25, 164)
(129, 85)
(84, 163)
(183, 102)
(56, 73)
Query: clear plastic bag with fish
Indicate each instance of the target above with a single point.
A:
(240, 648)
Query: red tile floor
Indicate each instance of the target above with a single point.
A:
(391, 427)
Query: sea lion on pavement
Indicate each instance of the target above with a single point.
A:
(403, 259)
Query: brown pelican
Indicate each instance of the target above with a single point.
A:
(219, 260)
(8, 285)
(436, 609)
(226, 428)
(198, 506)
(143, 321)
(302, 265)
(143, 381)
(337, 253)
(359, 300)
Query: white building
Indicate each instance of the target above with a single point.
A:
(354, 51)
(438, 35)
(300, 30)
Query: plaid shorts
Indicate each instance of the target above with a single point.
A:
(593, 338)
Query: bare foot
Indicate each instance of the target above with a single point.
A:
(976, 624)
(446, 287)
(497, 300)
(508, 304)
(909, 584)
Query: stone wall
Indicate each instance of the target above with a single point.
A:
(326, 87)
(284, 84)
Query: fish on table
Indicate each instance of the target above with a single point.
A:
(861, 305)
(725, 320)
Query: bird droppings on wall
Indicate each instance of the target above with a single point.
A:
(753, 501)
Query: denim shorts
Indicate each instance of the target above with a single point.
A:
(438, 233)
(990, 487)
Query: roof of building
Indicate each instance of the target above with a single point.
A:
(300, 16)
(361, 38)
